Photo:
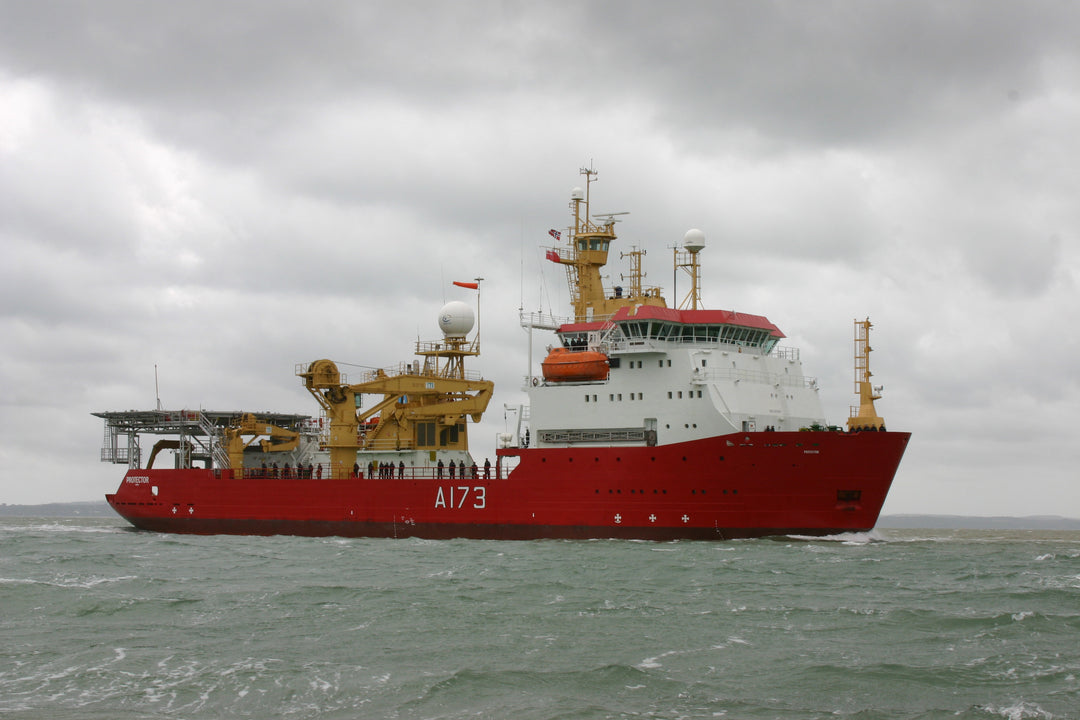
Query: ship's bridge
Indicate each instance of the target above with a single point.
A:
(634, 328)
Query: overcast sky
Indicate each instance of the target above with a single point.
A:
(225, 190)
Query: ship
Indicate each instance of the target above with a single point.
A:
(645, 421)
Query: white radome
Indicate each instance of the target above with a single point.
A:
(694, 240)
(456, 319)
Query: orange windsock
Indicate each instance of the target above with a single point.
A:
(473, 286)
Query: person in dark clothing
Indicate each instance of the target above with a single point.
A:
(487, 468)
(440, 469)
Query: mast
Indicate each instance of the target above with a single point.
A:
(865, 417)
(687, 259)
(590, 242)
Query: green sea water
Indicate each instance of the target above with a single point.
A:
(99, 621)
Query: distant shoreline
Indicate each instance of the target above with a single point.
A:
(101, 509)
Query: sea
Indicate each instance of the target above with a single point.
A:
(101, 621)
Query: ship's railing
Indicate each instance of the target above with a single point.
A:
(543, 321)
(119, 455)
(390, 471)
(534, 380)
(621, 343)
(703, 376)
(410, 368)
(386, 444)
(786, 353)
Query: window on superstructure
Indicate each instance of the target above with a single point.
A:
(449, 436)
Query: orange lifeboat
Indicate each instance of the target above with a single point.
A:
(561, 365)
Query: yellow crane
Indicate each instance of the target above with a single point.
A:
(422, 408)
(273, 438)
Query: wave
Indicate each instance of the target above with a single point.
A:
(847, 538)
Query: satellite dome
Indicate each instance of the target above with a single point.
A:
(693, 240)
(577, 194)
(456, 319)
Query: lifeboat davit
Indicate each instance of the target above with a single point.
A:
(561, 365)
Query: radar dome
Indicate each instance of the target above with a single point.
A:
(577, 194)
(694, 240)
(456, 319)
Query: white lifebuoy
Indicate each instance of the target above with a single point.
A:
(535, 382)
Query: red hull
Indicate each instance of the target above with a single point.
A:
(741, 485)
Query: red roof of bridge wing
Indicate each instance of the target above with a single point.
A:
(684, 317)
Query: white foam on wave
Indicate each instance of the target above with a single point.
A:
(1019, 711)
(61, 527)
(651, 663)
(847, 538)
